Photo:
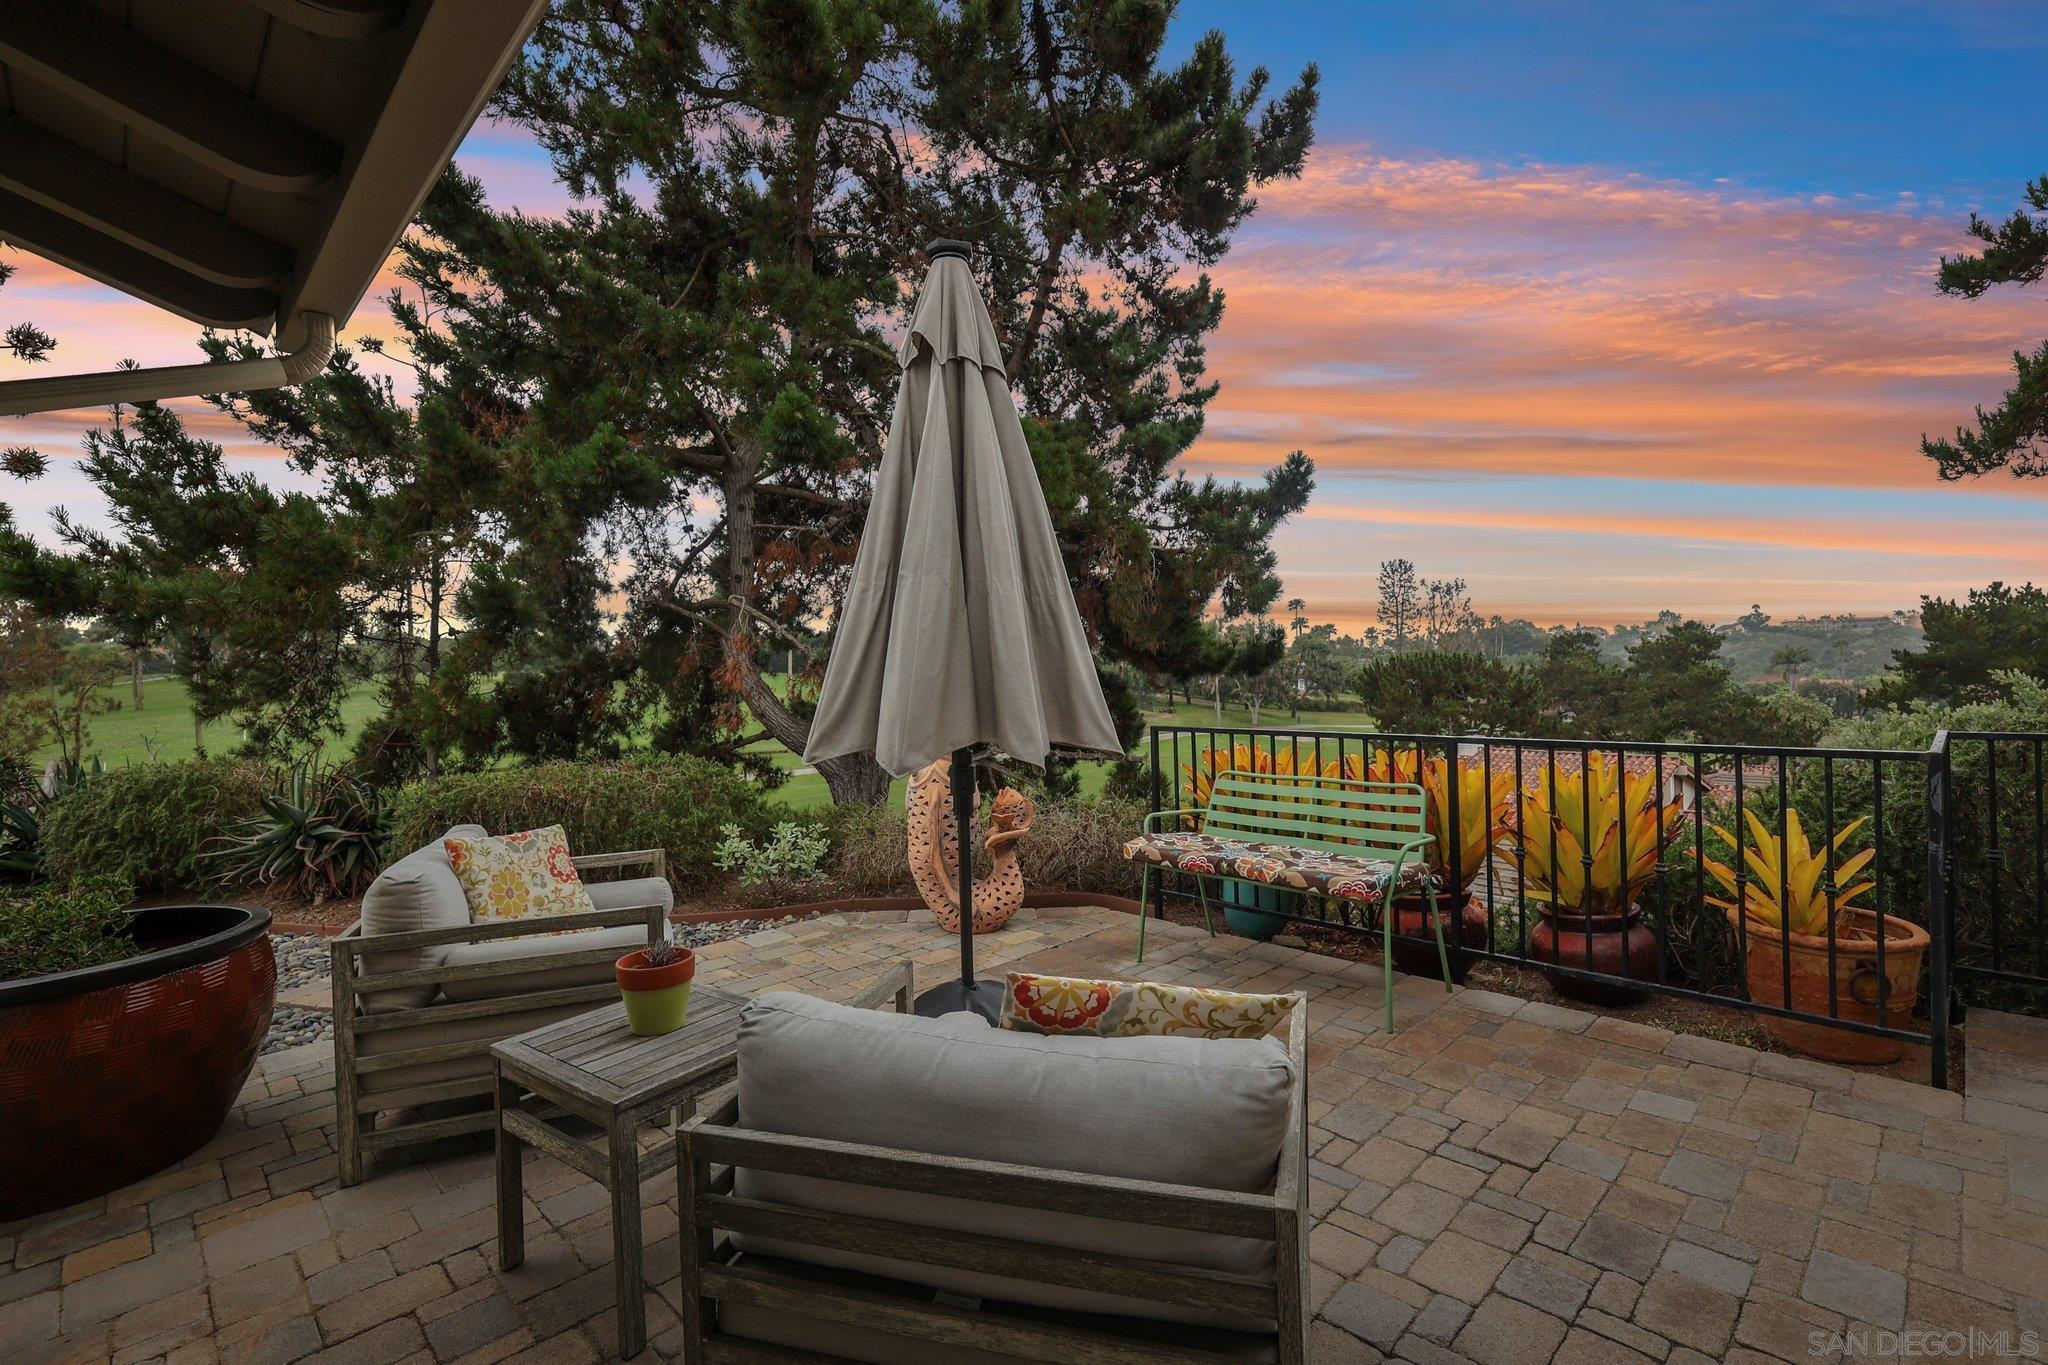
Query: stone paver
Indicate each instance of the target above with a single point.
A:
(1500, 1180)
(1866, 1293)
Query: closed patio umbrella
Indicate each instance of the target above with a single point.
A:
(959, 627)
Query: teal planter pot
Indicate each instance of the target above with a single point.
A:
(1244, 905)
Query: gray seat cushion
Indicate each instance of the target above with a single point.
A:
(419, 891)
(1188, 1111)
(620, 939)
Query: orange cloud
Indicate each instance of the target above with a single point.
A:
(1401, 314)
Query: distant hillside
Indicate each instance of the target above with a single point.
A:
(1850, 648)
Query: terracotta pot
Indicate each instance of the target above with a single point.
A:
(657, 998)
(1415, 934)
(1616, 945)
(111, 1073)
(1857, 984)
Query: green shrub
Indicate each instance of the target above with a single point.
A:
(867, 850)
(1073, 846)
(60, 929)
(148, 825)
(792, 852)
(677, 803)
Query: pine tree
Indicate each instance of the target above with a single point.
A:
(246, 586)
(690, 373)
(1400, 603)
(2014, 435)
(30, 344)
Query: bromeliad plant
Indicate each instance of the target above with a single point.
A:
(1796, 897)
(1575, 826)
(1198, 778)
(1485, 801)
(319, 835)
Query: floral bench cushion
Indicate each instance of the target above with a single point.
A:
(1362, 880)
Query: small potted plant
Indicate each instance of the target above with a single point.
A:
(1815, 980)
(1569, 847)
(655, 984)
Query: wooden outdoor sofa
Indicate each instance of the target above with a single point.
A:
(420, 993)
(897, 1240)
(1362, 843)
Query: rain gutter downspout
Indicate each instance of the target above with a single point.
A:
(22, 396)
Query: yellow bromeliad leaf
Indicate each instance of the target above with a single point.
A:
(1619, 815)
(1786, 881)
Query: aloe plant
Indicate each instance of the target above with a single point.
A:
(1788, 880)
(319, 836)
(21, 819)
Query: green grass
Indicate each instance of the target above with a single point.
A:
(162, 730)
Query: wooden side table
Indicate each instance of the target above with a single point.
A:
(594, 1068)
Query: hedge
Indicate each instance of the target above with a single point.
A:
(675, 803)
(148, 825)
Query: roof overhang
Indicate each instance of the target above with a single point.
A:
(241, 163)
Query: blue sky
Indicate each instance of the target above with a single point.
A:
(1607, 308)
(1876, 98)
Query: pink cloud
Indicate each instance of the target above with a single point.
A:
(1392, 314)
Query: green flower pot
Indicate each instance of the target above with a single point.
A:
(657, 998)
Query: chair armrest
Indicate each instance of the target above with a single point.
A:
(894, 983)
(484, 933)
(654, 859)
(1146, 827)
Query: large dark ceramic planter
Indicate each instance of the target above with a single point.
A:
(1616, 945)
(110, 1073)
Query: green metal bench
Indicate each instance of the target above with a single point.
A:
(1336, 837)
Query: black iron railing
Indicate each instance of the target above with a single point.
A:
(1954, 886)
(1996, 864)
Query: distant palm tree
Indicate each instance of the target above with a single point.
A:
(1790, 661)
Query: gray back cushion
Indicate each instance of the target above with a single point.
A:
(419, 891)
(1187, 1111)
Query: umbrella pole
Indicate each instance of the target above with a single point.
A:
(984, 998)
(963, 821)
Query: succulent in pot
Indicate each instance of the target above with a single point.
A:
(654, 982)
(1807, 946)
(1587, 842)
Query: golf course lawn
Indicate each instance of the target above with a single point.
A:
(162, 730)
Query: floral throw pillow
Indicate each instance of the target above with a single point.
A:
(518, 876)
(1124, 1009)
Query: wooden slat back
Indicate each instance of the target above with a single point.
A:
(1322, 814)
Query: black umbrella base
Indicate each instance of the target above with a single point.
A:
(984, 998)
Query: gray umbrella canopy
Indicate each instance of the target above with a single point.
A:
(959, 627)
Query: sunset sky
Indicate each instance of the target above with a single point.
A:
(1606, 308)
